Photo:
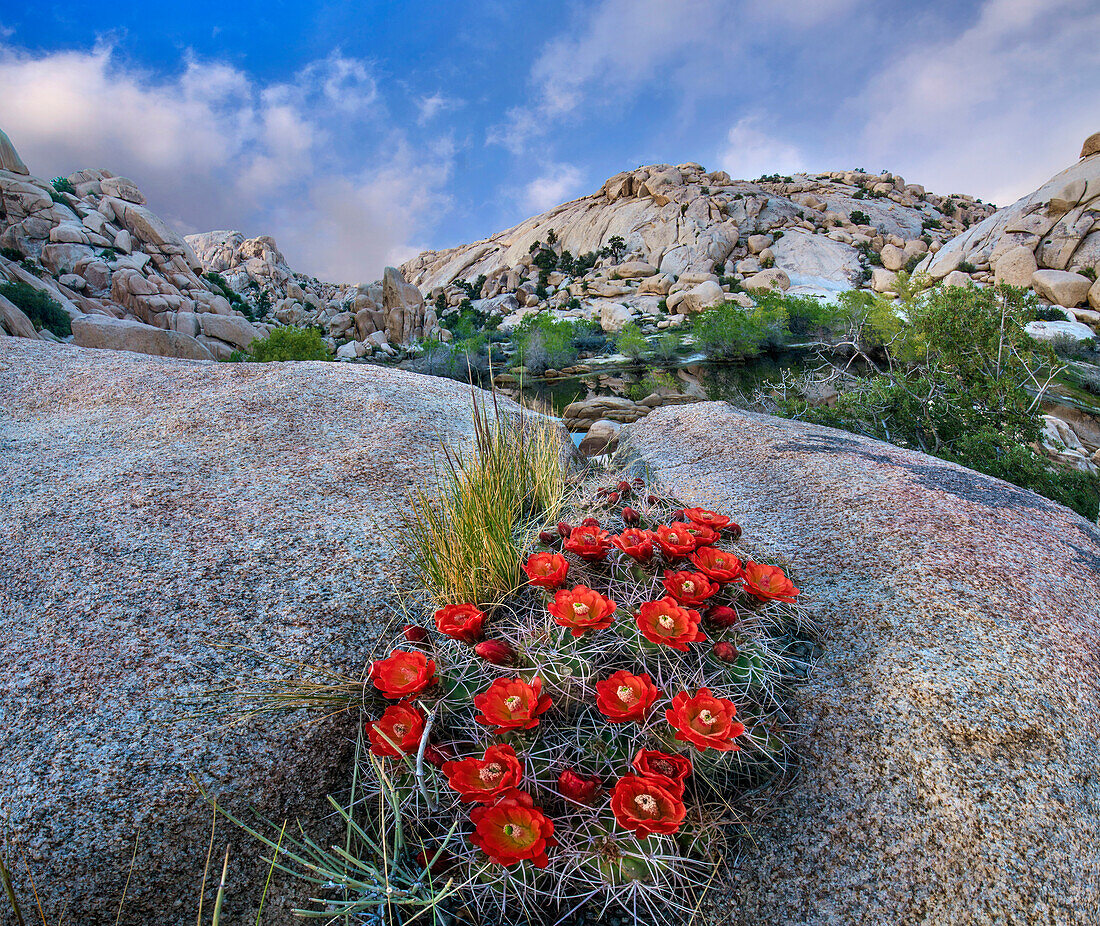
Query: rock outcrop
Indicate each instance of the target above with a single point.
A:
(952, 723)
(681, 222)
(1049, 239)
(153, 509)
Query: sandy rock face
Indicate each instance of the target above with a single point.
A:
(953, 720)
(152, 507)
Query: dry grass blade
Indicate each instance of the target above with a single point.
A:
(9, 889)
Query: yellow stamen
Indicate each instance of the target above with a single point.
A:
(492, 772)
(626, 694)
(706, 717)
(667, 622)
(513, 702)
(646, 802)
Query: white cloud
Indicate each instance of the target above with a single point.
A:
(996, 108)
(211, 148)
(431, 106)
(558, 184)
(751, 152)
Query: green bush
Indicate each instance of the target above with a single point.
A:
(668, 345)
(859, 217)
(11, 254)
(287, 344)
(654, 381)
(630, 342)
(62, 185)
(730, 332)
(543, 342)
(220, 286)
(40, 307)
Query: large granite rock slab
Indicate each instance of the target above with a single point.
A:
(951, 727)
(151, 509)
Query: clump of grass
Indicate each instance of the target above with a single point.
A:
(460, 535)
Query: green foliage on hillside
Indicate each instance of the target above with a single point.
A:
(287, 344)
(42, 309)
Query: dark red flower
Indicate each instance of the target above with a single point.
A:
(414, 633)
(706, 518)
(577, 787)
(635, 543)
(671, 766)
(705, 721)
(483, 780)
(768, 583)
(397, 732)
(624, 697)
(462, 621)
(589, 543)
(403, 673)
(734, 530)
(581, 609)
(675, 539)
(689, 587)
(651, 499)
(669, 624)
(727, 652)
(546, 570)
(718, 564)
(495, 651)
(512, 704)
(564, 529)
(646, 805)
(513, 830)
(631, 517)
(438, 753)
(721, 616)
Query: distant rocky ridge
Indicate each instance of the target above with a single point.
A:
(128, 281)
(685, 230)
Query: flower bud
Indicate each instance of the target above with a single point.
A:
(578, 787)
(438, 753)
(631, 517)
(638, 482)
(548, 537)
(414, 633)
(652, 500)
(590, 522)
(677, 515)
(721, 616)
(495, 651)
(603, 493)
(563, 528)
(734, 530)
(613, 498)
(623, 488)
(727, 652)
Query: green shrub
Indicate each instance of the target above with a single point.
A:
(287, 343)
(1048, 313)
(668, 345)
(966, 267)
(220, 286)
(730, 332)
(62, 185)
(859, 217)
(630, 342)
(543, 342)
(40, 307)
(11, 254)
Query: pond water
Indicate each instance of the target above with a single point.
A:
(721, 381)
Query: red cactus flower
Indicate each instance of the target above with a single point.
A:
(403, 673)
(631, 517)
(717, 564)
(667, 623)
(706, 518)
(589, 543)
(675, 539)
(548, 538)
(581, 609)
(577, 787)
(564, 529)
(462, 621)
(624, 697)
(705, 721)
(635, 543)
(546, 570)
(414, 633)
(671, 766)
(397, 732)
(703, 535)
(689, 587)
(496, 652)
(727, 652)
(513, 830)
(721, 616)
(512, 704)
(483, 780)
(768, 583)
(646, 805)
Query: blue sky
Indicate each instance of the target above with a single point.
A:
(359, 133)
